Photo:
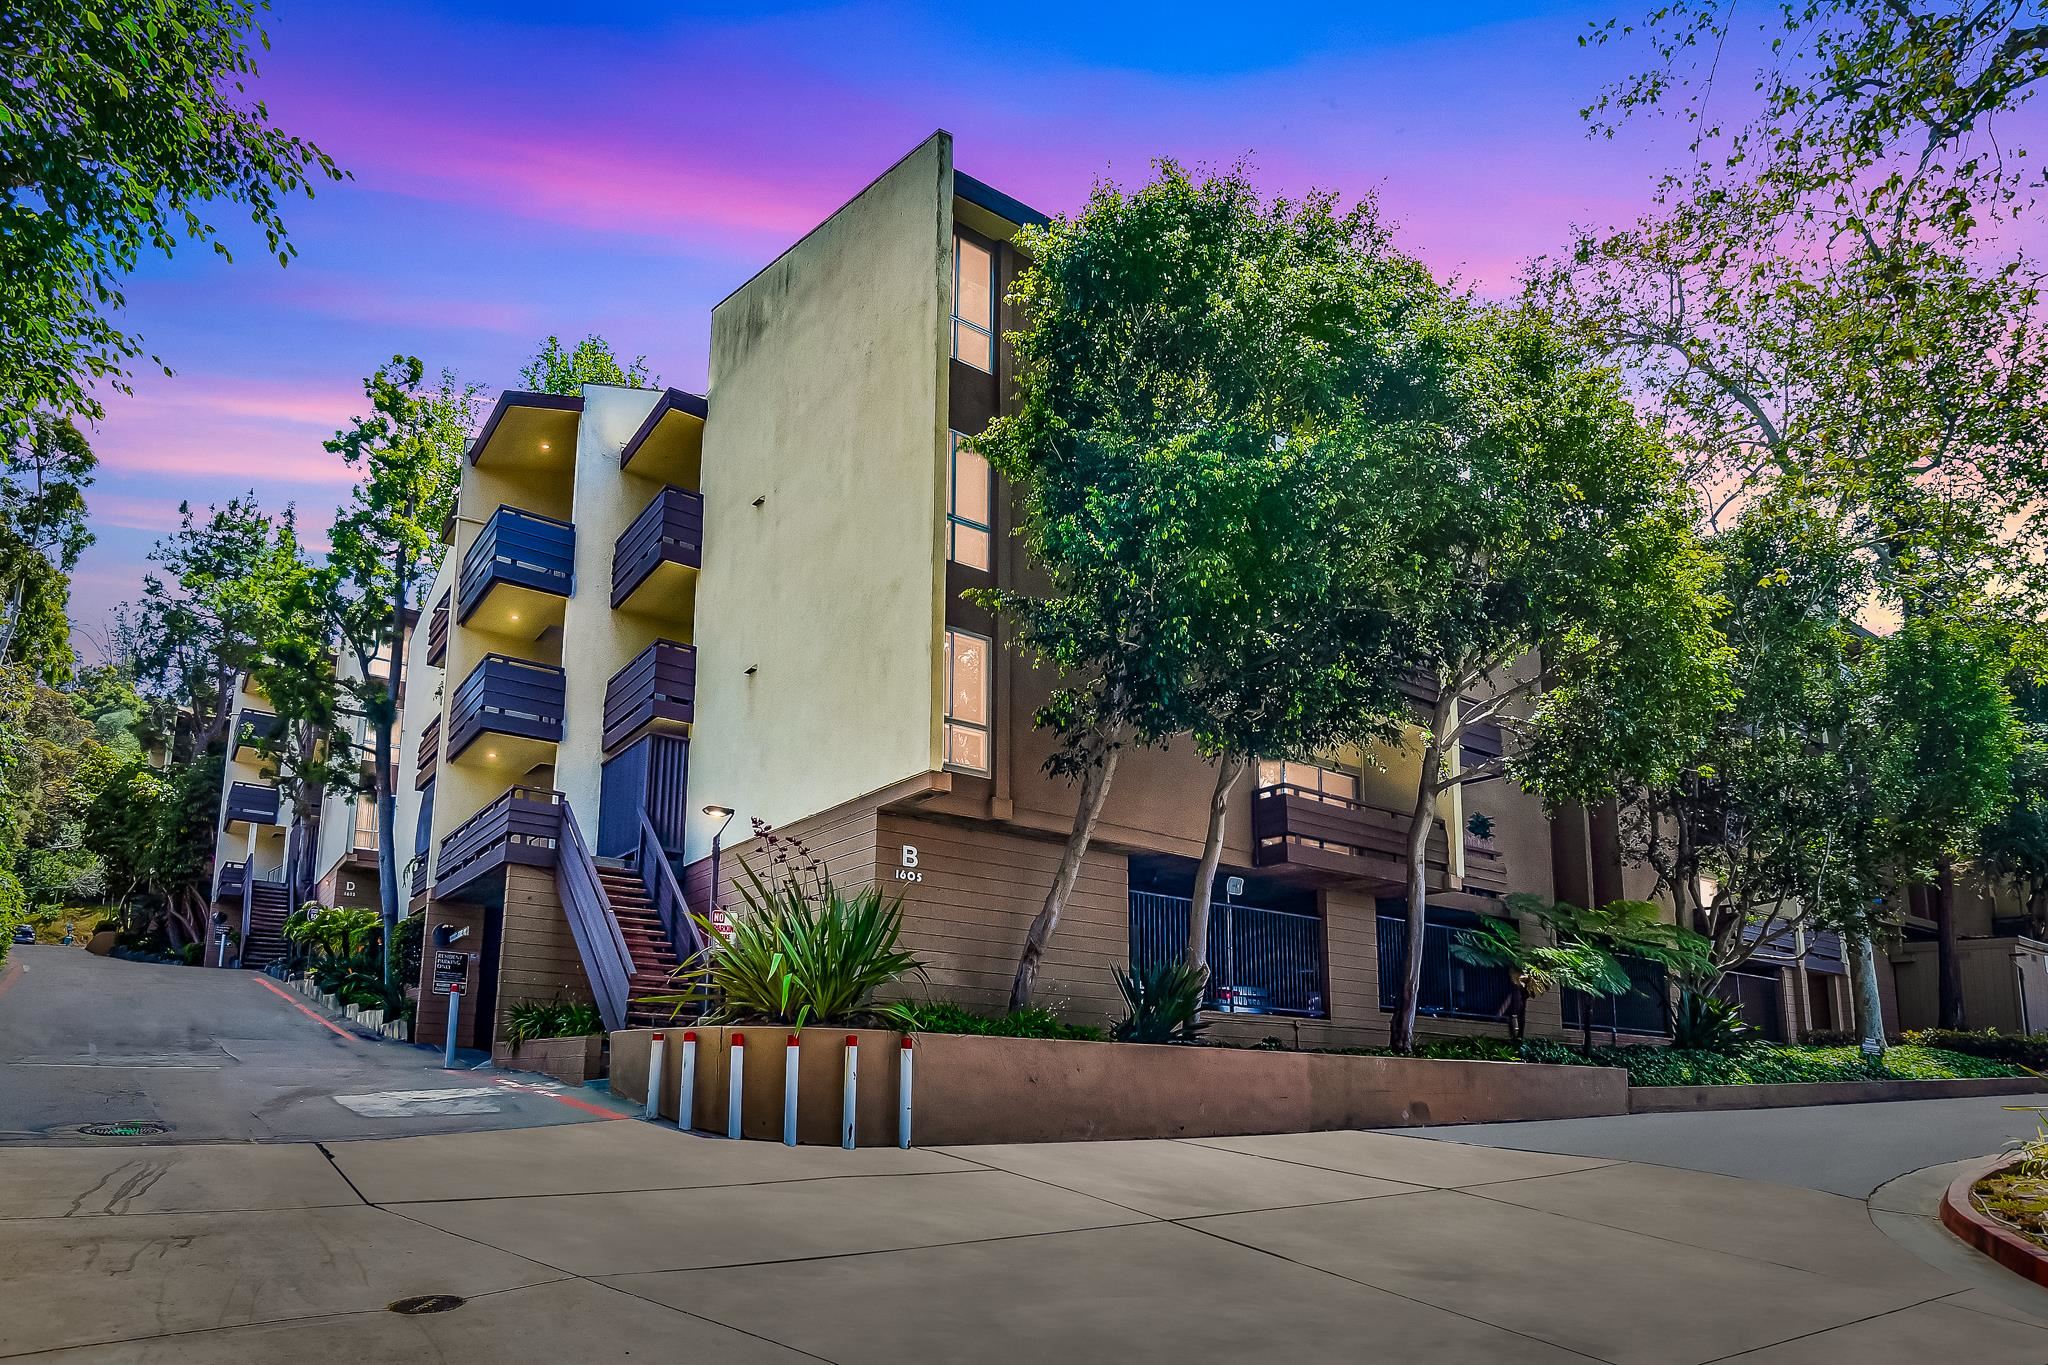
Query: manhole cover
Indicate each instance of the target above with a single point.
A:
(425, 1303)
(122, 1129)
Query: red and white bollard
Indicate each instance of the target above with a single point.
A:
(656, 1046)
(686, 1097)
(851, 1086)
(736, 1070)
(903, 1095)
(790, 1054)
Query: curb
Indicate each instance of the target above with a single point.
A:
(2003, 1245)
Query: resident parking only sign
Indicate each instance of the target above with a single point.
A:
(451, 971)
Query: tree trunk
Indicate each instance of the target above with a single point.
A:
(1868, 1003)
(1420, 822)
(1094, 791)
(1948, 961)
(1229, 768)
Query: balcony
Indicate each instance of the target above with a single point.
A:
(522, 826)
(253, 730)
(657, 555)
(430, 754)
(669, 445)
(1327, 838)
(437, 631)
(516, 702)
(228, 881)
(516, 574)
(528, 431)
(659, 688)
(251, 803)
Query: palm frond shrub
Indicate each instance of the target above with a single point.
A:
(531, 1020)
(799, 952)
(1163, 1003)
(1705, 1023)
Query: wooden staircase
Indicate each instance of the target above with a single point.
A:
(654, 957)
(269, 907)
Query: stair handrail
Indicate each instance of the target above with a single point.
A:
(659, 877)
(592, 924)
(248, 898)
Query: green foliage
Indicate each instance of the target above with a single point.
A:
(2028, 1050)
(1032, 1022)
(556, 369)
(531, 1020)
(45, 468)
(1705, 1023)
(1162, 1003)
(800, 952)
(407, 454)
(125, 125)
(1755, 1064)
(345, 952)
(1535, 969)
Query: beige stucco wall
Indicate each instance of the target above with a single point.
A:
(597, 641)
(260, 846)
(819, 613)
(424, 688)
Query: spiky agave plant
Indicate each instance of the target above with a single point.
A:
(799, 952)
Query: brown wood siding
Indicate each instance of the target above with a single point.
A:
(430, 1022)
(538, 959)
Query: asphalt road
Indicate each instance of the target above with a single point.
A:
(226, 1056)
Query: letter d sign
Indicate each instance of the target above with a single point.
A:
(910, 855)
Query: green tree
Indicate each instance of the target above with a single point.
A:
(555, 369)
(45, 468)
(1188, 352)
(1738, 834)
(2015, 846)
(1546, 579)
(123, 126)
(386, 546)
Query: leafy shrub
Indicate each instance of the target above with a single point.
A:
(1703, 1023)
(1754, 1064)
(105, 925)
(2029, 1050)
(192, 952)
(1163, 1003)
(801, 952)
(532, 1020)
(1834, 1037)
(1032, 1022)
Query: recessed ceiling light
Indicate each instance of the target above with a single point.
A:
(515, 616)
(543, 445)
(490, 753)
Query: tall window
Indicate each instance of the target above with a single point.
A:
(1325, 784)
(967, 704)
(974, 304)
(968, 525)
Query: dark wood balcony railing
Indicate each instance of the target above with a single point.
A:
(660, 684)
(669, 531)
(228, 881)
(522, 826)
(253, 803)
(1295, 827)
(430, 754)
(417, 869)
(253, 730)
(506, 696)
(437, 630)
(519, 548)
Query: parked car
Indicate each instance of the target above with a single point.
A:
(24, 933)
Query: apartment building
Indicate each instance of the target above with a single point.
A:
(663, 617)
(345, 857)
(251, 840)
(546, 721)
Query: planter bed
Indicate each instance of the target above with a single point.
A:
(990, 1089)
(2009, 1247)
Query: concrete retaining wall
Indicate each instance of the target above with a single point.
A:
(1683, 1099)
(979, 1090)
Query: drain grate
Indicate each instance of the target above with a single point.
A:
(122, 1129)
(425, 1303)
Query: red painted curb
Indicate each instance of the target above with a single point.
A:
(1961, 1217)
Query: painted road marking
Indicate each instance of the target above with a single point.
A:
(405, 1104)
(286, 996)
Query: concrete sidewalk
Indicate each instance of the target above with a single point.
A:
(622, 1241)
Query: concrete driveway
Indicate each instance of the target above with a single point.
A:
(223, 1055)
(612, 1242)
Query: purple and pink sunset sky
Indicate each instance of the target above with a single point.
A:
(521, 169)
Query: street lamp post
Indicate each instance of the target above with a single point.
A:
(717, 835)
